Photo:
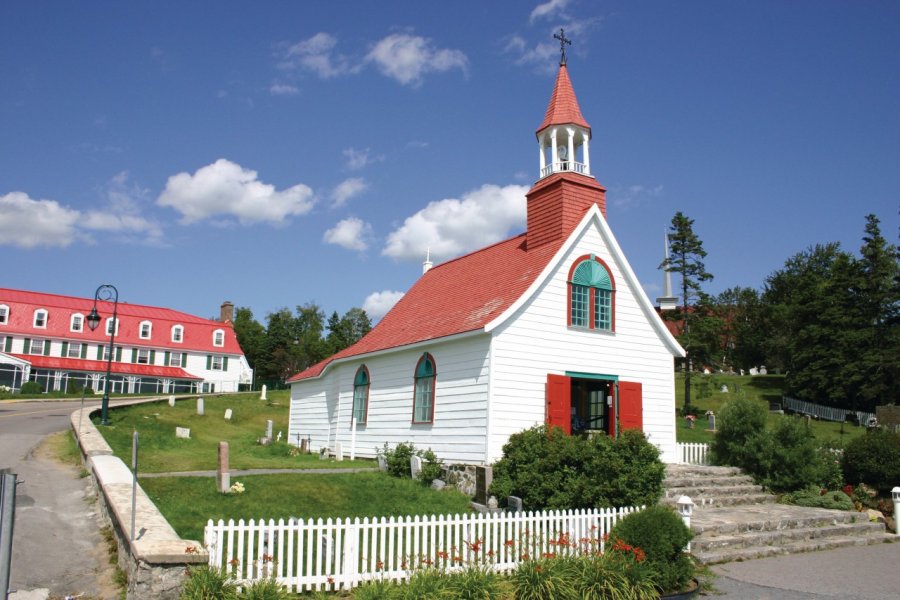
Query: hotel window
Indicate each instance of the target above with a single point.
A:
(74, 350)
(146, 330)
(218, 337)
(143, 356)
(40, 318)
(216, 363)
(37, 347)
(175, 359)
(110, 324)
(77, 322)
(177, 333)
(4, 314)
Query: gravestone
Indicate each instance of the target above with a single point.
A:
(304, 445)
(514, 504)
(227, 414)
(438, 484)
(223, 474)
(484, 476)
(382, 462)
(724, 389)
(338, 451)
(183, 433)
(712, 420)
(171, 400)
(269, 429)
(200, 406)
(415, 466)
(263, 395)
(753, 371)
(763, 371)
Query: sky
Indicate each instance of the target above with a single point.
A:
(275, 154)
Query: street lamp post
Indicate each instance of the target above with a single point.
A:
(106, 293)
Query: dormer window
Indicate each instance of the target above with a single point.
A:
(218, 337)
(146, 330)
(4, 314)
(40, 318)
(76, 323)
(112, 325)
(177, 334)
(591, 295)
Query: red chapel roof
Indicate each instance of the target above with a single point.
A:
(458, 296)
(563, 107)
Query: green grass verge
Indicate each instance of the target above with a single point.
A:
(187, 502)
(160, 451)
(705, 395)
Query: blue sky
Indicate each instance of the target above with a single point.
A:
(279, 153)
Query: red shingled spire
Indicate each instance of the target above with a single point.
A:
(563, 107)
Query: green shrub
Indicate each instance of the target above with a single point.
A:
(614, 574)
(873, 459)
(477, 582)
(739, 421)
(552, 470)
(662, 536)
(814, 496)
(544, 579)
(786, 457)
(377, 589)
(398, 462)
(205, 583)
(425, 584)
(266, 589)
(30, 388)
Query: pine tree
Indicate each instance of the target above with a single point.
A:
(686, 256)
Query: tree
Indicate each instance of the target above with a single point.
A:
(251, 335)
(742, 338)
(686, 259)
(347, 330)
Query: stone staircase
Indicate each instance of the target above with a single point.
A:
(734, 519)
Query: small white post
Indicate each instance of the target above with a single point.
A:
(685, 509)
(200, 406)
(263, 395)
(895, 496)
(338, 451)
(352, 438)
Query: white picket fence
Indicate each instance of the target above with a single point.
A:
(693, 453)
(342, 553)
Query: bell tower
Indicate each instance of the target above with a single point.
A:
(565, 188)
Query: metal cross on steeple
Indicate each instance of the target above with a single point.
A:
(563, 40)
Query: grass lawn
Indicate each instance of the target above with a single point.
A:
(187, 502)
(160, 451)
(705, 395)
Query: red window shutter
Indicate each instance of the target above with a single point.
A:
(559, 402)
(631, 409)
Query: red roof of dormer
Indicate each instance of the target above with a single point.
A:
(458, 296)
(563, 107)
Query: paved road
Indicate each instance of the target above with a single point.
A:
(57, 548)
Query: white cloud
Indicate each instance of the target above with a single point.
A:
(408, 58)
(317, 54)
(549, 10)
(29, 223)
(359, 159)
(283, 89)
(543, 55)
(347, 189)
(122, 214)
(227, 189)
(452, 227)
(634, 195)
(378, 304)
(351, 233)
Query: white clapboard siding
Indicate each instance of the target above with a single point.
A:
(307, 555)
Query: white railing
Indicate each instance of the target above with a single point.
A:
(827, 413)
(563, 166)
(321, 555)
(693, 453)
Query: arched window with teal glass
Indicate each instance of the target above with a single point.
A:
(423, 404)
(361, 395)
(591, 294)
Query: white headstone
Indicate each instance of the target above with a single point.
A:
(338, 451)
(171, 400)
(415, 466)
(269, 428)
(724, 389)
(753, 371)
(183, 432)
(227, 414)
(263, 395)
(742, 372)
(200, 406)
(763, 371)
(382, 462)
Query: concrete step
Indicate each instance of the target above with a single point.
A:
(748, 553)
(709, 481)
(783, 537)
(702, 470)
(724, 501)
(714, 491)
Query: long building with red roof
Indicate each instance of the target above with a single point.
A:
(46, 338)
(550, 326)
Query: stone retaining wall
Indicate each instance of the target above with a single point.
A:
(155, 561)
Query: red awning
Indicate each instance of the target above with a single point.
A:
(99, 366)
